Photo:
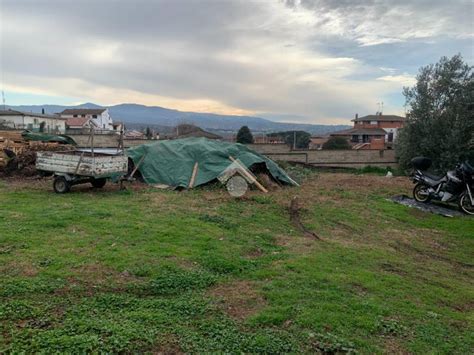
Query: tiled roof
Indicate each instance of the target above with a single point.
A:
(360, 131)
(83, 111)
(11, 112)
(380, 118)
(77, 121)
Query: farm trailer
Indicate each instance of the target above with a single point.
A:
(73, 168)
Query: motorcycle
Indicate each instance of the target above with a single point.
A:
(455, 185)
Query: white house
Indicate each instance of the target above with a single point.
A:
(36, 122)
(99, 116)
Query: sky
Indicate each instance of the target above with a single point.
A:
(308, 61)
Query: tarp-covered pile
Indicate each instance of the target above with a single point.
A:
(171, 162)
(43, 137)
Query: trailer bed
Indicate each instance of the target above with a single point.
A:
(82, 164)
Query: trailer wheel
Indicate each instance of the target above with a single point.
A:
(99, 183)
(61, 185)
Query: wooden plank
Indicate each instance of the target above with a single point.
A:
(193, 175)
(249, 175)
(137, 166)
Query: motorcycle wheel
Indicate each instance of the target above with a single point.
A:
(466, 205)
(421, 193)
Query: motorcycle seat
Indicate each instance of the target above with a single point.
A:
(432, 176)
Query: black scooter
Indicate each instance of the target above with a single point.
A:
(455, 185)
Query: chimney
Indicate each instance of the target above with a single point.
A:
(42, 111)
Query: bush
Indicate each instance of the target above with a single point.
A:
(337, 143)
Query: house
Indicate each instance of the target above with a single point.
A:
(80, 124)
(372, 131)
(100, 117)
(189, 130)
(265, 139)
(36, 122)
(316, 142)
(134, 134)
(363, 138)
(389, 123)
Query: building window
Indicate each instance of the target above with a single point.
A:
(373, 122)
(83, 115)
(94, 116)
(74, 115)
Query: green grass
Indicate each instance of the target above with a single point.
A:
(138, 270)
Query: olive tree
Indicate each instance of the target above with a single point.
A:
(440, 121)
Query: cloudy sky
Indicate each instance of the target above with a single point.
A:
(315, 61)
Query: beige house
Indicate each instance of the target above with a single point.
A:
(36, 122)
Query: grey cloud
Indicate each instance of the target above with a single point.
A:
(186, 49)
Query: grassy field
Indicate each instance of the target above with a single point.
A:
(196, 271)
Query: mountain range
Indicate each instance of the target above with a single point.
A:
(163, 119)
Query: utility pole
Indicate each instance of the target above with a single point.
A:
(3, 99)
(294, 140)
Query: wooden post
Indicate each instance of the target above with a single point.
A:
(137, 166)
(249, 175)
(193, 175)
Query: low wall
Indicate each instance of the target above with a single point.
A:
(105, 141)
(329, 158)
(282, 152)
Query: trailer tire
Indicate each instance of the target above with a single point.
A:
(61, 185)
(99, 183)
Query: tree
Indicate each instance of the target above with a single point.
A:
(302, 138)
(440, 122)
(148, 133)
(337, 143)
(244, 135)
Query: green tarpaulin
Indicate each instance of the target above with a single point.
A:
(171, 162)
(43, 137)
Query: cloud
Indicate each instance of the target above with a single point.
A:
(317, 61)
(403, 79)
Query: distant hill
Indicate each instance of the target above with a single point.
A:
(162, 119)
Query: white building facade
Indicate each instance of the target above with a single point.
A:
(36, 122)
(100, 117)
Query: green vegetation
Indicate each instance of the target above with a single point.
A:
(336, 143)
(440, 122)
(244, 135)
(197, 271)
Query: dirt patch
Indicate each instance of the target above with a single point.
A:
(92, 278)
(19, 269)
(167, 345)
(238, 299)
(393, 346)
(392, 269)
(406, 247)
(358, 289)
(294, 210)
(465, 307)
(296, 245)
(255, 253)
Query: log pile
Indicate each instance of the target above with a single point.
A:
(18, 156)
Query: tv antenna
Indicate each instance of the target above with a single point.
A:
(380, 107)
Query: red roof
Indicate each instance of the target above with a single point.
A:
(77, 121)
